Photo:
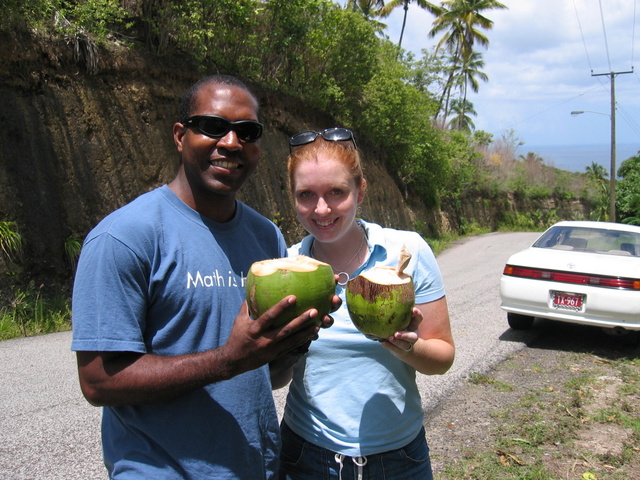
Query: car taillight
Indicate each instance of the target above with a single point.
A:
(566, 277)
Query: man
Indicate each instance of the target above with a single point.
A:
(161, 330)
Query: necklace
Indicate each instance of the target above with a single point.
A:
(342, 274)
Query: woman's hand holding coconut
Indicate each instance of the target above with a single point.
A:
(432, 345)
(401, 343)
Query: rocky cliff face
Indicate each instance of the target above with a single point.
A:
(75, 146)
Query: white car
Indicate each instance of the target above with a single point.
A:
(576, 272)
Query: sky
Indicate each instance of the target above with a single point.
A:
(543, 62)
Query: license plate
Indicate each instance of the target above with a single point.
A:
(567, 301)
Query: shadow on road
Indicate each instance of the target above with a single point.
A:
(567, 337)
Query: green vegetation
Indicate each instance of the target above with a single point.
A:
(483, 379)
(586, 427)
(628, 191)
(11, 241)
(72, 248)
(336, 59)
(30, 314)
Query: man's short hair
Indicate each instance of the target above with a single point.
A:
(187, 104)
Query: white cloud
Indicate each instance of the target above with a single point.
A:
(540, 61)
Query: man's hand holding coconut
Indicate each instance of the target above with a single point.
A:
(290, 298)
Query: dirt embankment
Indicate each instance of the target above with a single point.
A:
(76, 145)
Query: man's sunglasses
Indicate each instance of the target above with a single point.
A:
(217, 127)
(335, 134)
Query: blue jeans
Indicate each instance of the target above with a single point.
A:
(301, 460)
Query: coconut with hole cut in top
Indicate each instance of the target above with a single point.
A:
(310, 280)
(380, 302)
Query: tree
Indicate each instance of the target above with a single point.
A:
(462, 108)
(400, 115)
(596, 172)
(597, 178)
(470, 74)
(393, 4)
(460, 22)
(532, 158)
(425, 73)
(628, 191)
(370, 9)
(464, 75)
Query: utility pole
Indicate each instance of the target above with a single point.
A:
(612, 177)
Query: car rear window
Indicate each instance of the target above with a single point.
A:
(592, 240)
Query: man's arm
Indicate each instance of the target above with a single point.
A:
(281, 369)
(128, 378)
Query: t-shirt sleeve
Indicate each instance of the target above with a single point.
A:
(109, 298)
(427, 278)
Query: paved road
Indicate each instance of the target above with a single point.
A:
(49, 432)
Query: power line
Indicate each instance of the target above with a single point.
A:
(629, 120)
(604, 32)
(633, 32)
(582, 35)
(556, 105)
(605, 36)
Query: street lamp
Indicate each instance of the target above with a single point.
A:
(612, 175)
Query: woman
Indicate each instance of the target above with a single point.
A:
(353, 408)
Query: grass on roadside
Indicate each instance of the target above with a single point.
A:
(29, 313)
(586, 429)
(445, 240)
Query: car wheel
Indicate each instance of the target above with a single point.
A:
(519, 322)
(625, 337)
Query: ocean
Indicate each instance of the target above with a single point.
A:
(575, 158)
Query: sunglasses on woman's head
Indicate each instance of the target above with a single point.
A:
(335, 134)
(217, 127)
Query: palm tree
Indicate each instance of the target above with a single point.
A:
(532, 158)
(370, 9)
(386, 10)
(470, 73)
(462, 76)
(596, 172)
(596, 176)
(461, 121)
(460, 21)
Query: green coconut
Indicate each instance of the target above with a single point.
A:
(311, 281)
(380, 300)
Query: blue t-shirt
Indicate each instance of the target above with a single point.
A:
(349, 394)
(157, 277)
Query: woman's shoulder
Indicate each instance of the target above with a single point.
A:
(392, 238)
(303, 247)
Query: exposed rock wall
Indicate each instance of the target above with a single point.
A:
(75, 146)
